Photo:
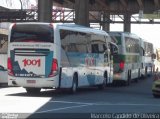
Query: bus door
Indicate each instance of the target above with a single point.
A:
(113, 50)
(98, 50)
(90, 63)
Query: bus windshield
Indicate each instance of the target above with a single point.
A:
(32, 33)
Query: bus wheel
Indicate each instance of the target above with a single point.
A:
(106, 78)
(146, 72)
(74, 84)
(129, 78)
(136, 79)
(139, 76)
(103, 85)
(156, 96)
(33, 90)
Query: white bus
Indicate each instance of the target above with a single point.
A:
(46, 55)
(127, 63)
(3, 55)
(147, 60)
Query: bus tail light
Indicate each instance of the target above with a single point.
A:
(54, 68)
(121, 65)
(14, 25)
(10, 67)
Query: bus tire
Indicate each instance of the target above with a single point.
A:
(103, 85)
(129, 78)
(74, 84)
(106, 78)
(136, 80)
(146, 72)
(139, 75)
(156, 96)
(33, 90)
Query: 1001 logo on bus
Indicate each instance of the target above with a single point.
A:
(28, 62)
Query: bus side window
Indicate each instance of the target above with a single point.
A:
(142, 52)
(113, 49)
(64, 58)
(98, 48)
(72, 47)
(94, 48)
(102, 48)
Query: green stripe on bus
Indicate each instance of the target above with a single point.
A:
(118, 38)
(126, 58)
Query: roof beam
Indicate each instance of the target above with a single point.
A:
(123, 2)
(156, 3)
(68, 1)
(140, 3)
(102, 3)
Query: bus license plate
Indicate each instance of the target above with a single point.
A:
(31, 81)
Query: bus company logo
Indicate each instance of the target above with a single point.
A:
(28, 62)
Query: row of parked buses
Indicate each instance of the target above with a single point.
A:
(134, 59)
(46, 55)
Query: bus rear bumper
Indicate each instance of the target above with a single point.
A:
(119, 77)
(34, 82)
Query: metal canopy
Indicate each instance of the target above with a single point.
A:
(115, 8)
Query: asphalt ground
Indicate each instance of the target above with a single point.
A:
(133, 101)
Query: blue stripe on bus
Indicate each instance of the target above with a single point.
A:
(91, 79)
(48, 63)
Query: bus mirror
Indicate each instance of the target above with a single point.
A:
(153, 56)
(114, 50)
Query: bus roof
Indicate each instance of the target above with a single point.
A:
(71, 26)
(123, 33)
(81, 28)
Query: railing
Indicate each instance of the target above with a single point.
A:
(68, 15)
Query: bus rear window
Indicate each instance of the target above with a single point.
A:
(32, 33)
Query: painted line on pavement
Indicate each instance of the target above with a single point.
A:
(104, 103)
(69, 107)
(70, 102)
(83, 104)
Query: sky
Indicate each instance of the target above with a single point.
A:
(148, 32)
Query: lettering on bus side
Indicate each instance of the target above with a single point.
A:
(89, 61)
